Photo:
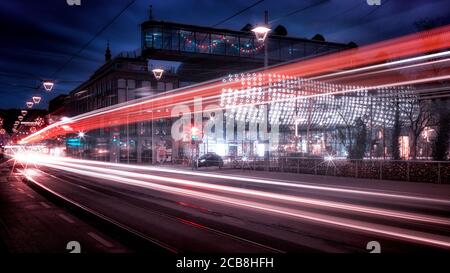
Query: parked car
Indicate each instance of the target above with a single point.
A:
(210, 159)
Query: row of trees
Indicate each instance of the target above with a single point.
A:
(411, 118)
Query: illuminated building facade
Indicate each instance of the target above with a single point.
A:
(203, 53)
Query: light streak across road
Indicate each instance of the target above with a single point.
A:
(286, 205)
(331, 66)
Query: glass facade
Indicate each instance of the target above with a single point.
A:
(240, 44)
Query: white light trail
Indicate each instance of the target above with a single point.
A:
(283, 183)
(399, 233)
(255, 193)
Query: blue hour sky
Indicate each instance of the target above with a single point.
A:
(40, 36)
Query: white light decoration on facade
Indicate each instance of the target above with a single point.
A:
(287, 95)
(30, 104)
(39, 121)
(158, 72)
(36, 99)
(48, 85)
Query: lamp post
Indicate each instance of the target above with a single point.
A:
(261, 33)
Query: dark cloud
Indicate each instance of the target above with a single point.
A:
(42, 35)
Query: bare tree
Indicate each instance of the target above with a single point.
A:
(440, 102)
(418, 115)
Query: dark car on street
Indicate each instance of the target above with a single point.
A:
(210, 159)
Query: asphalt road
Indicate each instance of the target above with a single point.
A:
(220, 212)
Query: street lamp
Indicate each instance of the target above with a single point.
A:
(261, 33)
(36, 99)
(158, 72)
(48, 85)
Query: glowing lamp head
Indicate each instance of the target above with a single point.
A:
(30, 104)
(261, 33)
(20, 118)
(48, 85)
(81, 134)
(36, 99)
(158, 72)
(24, 112)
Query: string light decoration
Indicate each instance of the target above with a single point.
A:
(20, 118)
(39, 121)
(29, 104)
(24, 112)
(245, 48)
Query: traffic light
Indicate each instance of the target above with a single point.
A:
(194, 133)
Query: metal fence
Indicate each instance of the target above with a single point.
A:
(401, 170)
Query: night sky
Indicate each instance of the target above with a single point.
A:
(39, 36)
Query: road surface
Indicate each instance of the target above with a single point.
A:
(208, 211)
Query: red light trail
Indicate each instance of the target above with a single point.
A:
(359, 59)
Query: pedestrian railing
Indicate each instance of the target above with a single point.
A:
(402, 170)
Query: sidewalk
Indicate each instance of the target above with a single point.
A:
(31, 224)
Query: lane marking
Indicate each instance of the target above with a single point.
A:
(45, 205)
(100, 240)
(70, 221)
